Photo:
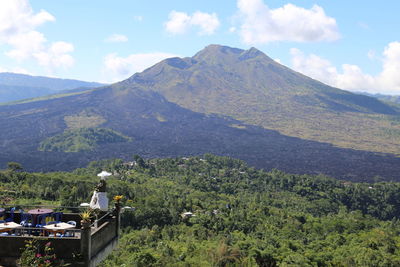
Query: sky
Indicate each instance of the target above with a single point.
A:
(352, 45)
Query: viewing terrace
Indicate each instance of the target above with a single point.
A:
(76, 236)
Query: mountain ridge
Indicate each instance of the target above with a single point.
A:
(280, 99)
(200, 104)
(17, 86)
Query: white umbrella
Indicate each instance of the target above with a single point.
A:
(104, 174)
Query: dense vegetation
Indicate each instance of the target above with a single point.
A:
(82, 139)
(243, 216)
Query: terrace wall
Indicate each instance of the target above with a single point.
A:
(100, 242)
(11, 247)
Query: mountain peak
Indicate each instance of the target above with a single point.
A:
(214, 52)
(253, 53)
(216, 48)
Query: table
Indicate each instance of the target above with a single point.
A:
(40, 211)
(7, 226)
(58, 227)
(36, 212)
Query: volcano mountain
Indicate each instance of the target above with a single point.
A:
(223, 100)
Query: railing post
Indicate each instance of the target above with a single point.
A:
(117, 218)
(86, 242)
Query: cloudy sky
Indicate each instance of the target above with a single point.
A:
(354, 45)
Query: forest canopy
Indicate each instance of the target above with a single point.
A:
(241, 216)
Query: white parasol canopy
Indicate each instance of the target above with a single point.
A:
(104, 174)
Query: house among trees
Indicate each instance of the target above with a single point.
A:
(187, 214)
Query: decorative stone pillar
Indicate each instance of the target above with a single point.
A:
(117, 214)
(86, 242)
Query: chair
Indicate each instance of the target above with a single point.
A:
(57, 216)
(41, 221)
(11, 218)
(72, 223)
(26, 221)
(70, 233)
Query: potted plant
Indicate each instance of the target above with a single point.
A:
(117, 203)
(86, 217)
(118, 198)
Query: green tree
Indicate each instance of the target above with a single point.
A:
(14, 166)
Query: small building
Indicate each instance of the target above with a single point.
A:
(187, 214)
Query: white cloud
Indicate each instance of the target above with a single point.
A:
(208, 23)
(389, 78)
(181, 22)
(260, 24)
(18, 25)
(117, 68)
(178, 22)
(313, 66)
(56, 56)
(116, 38)
(15, 70)
(351, 77)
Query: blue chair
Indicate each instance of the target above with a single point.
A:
(41, 221)
(26, 221)
(70, 233)
(72, 223)
(57, 216)
(11, 218)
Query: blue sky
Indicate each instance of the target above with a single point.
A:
(352, 45)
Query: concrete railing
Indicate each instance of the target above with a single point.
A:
(91, 244)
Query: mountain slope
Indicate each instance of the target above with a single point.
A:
(159, 128)
(224, 101)
(14, 86)
(251, 87)
(387, 98)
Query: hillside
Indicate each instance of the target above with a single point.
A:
(387, 98)
(251, 87)
(159, 128)
(14, 86)
(242, 216)
(224, 101)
